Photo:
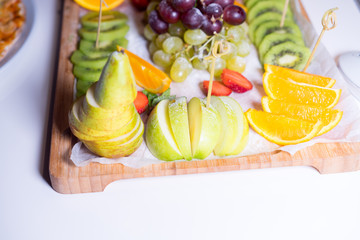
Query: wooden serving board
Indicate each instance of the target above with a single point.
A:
(67, 178)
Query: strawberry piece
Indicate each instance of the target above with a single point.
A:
(218, 89)
(235, 81)
(141, 102)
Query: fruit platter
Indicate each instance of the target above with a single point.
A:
(159, 88)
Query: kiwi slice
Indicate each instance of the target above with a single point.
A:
(274, 26)
(104, 49)
(80, 59)
(289, 55)
(266, 17)
(82, 86)
(251, 3)
(110, 19)
(107, 35)
(264, 7)
(87, 73)
(277, 38)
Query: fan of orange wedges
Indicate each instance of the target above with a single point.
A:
(297, 108)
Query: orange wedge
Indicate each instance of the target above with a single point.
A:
(147, 75)
(330, 117)
(94, 5)
(280, 129)
(287, 90)
(300, 77)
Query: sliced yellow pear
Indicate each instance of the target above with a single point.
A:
(242, 135)
(205, 126)
(159, 136)
(121, 150)
(180, 125)
(116, 86)
(229, 126)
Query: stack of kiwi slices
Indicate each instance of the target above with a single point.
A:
(88, 60)
(281, 46)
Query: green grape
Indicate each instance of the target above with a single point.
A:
(180, 69)
(236, 63)
(177, 29)
(160, 39)
(162, 59)
(245, 26)
(232, 52)
(172, 45)
(152, 6)
(243, 49)
(149, 33)
(236, 34)
(195, 37)
(200, 64)
(152, 48)
(190, 52)
(220, 64)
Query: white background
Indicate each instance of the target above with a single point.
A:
(282, 203)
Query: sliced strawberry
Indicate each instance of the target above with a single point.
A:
(218, 89)
(235, 81)
(141, 102)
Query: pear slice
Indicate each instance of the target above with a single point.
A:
(116, 86)
(159, 136)
(243, 127)
(180, 125)
(205, 127)
(229, 126)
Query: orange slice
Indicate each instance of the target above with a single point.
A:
(330, 117)
(300, 77)
(280, 88)
(241, 5)
(94, 5)
(280, 129)
(147, 75)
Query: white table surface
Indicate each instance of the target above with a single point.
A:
(282, 203)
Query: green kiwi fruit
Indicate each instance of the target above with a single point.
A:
(264, 7)
(80, 59)
(277, 38)
(110, 19)
(108, 35)
(274, 26)
(266, 17)
(251, 3)
(104, 49)
(287, 54)
(82, 86)
(86, 73)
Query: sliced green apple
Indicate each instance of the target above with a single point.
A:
(243, 127)
(229, 126)
(180, 125)
(159, 136)
(205, 126)
(116, 86)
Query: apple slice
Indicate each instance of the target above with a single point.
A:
(159, 136)
(243, 127)
(205, 126)
(180, 125)
(229, 126)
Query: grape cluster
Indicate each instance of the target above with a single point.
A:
(182, 33)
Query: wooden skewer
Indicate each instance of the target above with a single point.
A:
(99, 22)
(328, 18)
(284, 13)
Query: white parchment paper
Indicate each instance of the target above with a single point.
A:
(348, 130)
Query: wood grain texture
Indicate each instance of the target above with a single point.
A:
(67, 178)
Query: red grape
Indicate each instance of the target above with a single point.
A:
(211, 26)
(140, 4)
(183, 5)
(224, 3)
(207, 2)
(213, 9)
(156, 23)
(192, 19)
(234, 15)
(167, 13)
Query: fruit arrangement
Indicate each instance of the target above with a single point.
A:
(180, 130)
(298, 106)
(105, 119)
(181, 34)
(277, 45)
(89, 60)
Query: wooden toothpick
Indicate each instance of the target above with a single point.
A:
(99, 22)
(284, 13)
(328, 18)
